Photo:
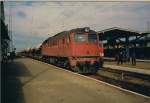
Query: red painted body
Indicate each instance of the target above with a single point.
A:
(64, 45)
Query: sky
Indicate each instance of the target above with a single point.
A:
(33, 22)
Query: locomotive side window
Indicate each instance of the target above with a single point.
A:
(67, 39)
(63, 40)
(48, 43)
(80, 38)
(100, 44)
(92, 37)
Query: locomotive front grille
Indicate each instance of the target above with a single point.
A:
(88, 67)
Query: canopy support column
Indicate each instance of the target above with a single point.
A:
(127, 56)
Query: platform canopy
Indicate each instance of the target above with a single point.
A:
(116, 32)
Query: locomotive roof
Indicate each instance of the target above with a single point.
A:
(77, 30)
(63, 32)
(80, 30)
(46, 40)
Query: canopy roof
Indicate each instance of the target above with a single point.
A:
(116, 32)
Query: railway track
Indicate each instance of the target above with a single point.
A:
(138, 83)
(131, 81)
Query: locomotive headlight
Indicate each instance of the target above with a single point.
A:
(87, 29)
(101, 54)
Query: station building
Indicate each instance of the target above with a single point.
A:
(128, 41)
(5, 39)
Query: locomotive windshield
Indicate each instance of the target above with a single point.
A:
(85, 38)
(81, 38)
(92, 37)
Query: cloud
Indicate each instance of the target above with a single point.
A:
(21, 14)
(38, 19)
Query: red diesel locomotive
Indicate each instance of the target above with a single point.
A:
(78, 49)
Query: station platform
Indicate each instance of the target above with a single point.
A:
(30, 81)
(128, 69)
(139, 65)
(138, 60)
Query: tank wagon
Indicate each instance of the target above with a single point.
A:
(78, 49)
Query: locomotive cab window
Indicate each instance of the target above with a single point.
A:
(80, 38)
(92, 37)
(100, 44)
(67, 40)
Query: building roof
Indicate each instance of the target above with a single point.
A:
(116, 32)
(4, 31)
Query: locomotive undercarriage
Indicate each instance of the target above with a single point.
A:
(86, 67)
(58, 61)
(83, 67)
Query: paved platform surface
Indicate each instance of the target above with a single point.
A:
(138, 60)
(31, 81)
(129, 69)
(142, 64)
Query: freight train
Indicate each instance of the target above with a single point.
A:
(78, 49)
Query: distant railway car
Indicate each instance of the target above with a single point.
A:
(78, 49)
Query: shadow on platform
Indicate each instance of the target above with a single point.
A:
(11, 87)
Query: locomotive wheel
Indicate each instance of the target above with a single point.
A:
(75, 69)
(67, 65)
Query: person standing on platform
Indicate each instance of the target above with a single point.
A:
(120, 58)
(116, 57)
(133, 57)
(12, 55)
